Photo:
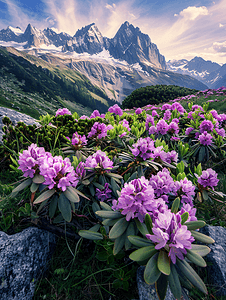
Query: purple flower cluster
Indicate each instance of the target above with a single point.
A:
(137, 198)
(169, 233)
(99, 161)
(30, 160)
(186, 190)
(205, 138)
(208, 178)
(138, 111)
(143, 148)
(173, 128)
(149, 120)
(163, 184)
(206, 125)
(58, 172)
(99, 130)
(167, 114)
(116, 110)
(63, 111)
(78, 141)
(95, 114)
(125, 124)
(189, 130)
(162, 127)
(80, 173)
(178, 107)
(104, 194)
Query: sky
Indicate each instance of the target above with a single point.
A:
(181, 29)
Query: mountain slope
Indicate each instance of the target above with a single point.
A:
(208, 72)
(56, 87)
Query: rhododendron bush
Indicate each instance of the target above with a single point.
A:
(139, 174)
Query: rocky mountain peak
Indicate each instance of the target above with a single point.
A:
(133, 46)
(87, 39)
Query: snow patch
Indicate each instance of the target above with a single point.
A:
(16, 30)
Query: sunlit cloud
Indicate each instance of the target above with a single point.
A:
(193, 12)
(219, 47)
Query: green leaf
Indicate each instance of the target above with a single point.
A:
(129, 231)
(161, 286)
(46, 195)
(191, 275)
(21, 187)
(53, 206)
(71, 194)
(163, 262)
(34, 187)
(95, 207)
(202, 153)
(148, 223)
(184, 217)
(175, 205)
(38, 179)
(109, 214)
(105, 206)
(95, 228)
(90, 235)
(195, 258)
(110, 222)
(58, 219)
(174, 282)
(193, 225)
(141, 227)
(143, 253)
(151, 272)
(115, 187)
(202, 237)
(132, 177)
(114, 175)
(65, 207)
(202, 250)
(119, 243)
(99, 186)
(119, 228)
(92, 190)
(81, 194)
(139, 241)
(205, 195)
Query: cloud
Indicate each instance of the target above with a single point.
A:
(193, 12)
(219, 47)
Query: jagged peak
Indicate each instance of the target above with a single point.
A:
(85, 29)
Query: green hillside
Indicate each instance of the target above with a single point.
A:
(36, 87)
(155, 94)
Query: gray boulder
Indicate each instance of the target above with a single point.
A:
(24, 257)
(148, 292)
(217, 257)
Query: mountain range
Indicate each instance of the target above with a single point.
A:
(210, 73)
(116, 65)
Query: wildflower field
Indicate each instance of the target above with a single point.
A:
(127, 188)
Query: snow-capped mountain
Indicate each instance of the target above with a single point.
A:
(208, 72)
(129, 43)
(118, 65)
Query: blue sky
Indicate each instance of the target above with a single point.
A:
(180, 29)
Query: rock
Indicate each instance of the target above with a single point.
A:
(217, 257)
(23, 257)
(148, 292)
(15, 117)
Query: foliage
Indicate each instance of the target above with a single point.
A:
(155, 94)
(127, 185)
